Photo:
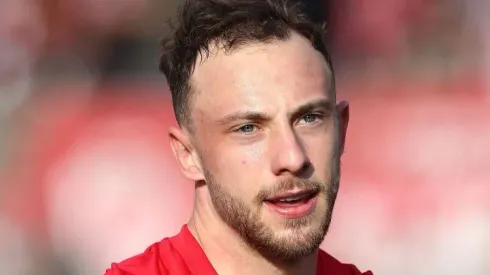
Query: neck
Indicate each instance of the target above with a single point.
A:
(227, 251)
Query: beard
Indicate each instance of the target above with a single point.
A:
(305, 234)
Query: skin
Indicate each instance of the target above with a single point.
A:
(264, 122)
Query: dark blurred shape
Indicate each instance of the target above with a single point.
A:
(401, 38)
(315, 9)
(131, 58)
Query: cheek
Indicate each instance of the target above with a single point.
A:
(240, 157)
(240, 170)
(320, 152)
(253, 155)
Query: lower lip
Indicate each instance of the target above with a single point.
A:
(294, 210)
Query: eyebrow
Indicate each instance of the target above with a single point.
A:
(244, 116)
(320, 104)
(323, 104)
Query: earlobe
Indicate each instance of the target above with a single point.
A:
(344, 115)
(185, 154)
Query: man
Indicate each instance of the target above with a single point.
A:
(259, 134)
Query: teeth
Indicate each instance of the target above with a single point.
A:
(294, 198)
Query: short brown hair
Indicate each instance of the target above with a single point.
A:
(229, 23)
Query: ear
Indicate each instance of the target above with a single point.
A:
(185, 154)
(343, 112)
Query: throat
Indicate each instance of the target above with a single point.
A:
(240, 258)
(215, 238)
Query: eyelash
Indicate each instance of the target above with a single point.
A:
(239, 130)
(317, 116)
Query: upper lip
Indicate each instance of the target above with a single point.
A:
(292, 193)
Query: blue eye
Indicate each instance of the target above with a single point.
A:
(310, 118)
(249, 128)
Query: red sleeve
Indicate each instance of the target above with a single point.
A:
(117, 269)
(147, 263)
(356, 271)
(328, 265)
(113, 271)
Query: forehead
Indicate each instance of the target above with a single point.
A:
(261, 76)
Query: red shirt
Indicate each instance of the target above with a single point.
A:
(182, 255)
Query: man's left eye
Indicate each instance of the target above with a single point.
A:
(310, 118)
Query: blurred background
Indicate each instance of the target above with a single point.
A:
(87, 178)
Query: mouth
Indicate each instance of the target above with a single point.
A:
(294, 204)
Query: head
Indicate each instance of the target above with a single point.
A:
(254, 94)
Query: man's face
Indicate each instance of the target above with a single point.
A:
(266, 132)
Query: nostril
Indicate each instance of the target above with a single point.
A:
(306, 170)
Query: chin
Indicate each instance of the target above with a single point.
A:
(299, 229)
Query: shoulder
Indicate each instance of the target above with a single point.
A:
(149, 262)
(328, 263)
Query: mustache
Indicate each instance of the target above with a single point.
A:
(289, 184)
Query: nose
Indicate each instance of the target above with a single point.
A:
(289, 155)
